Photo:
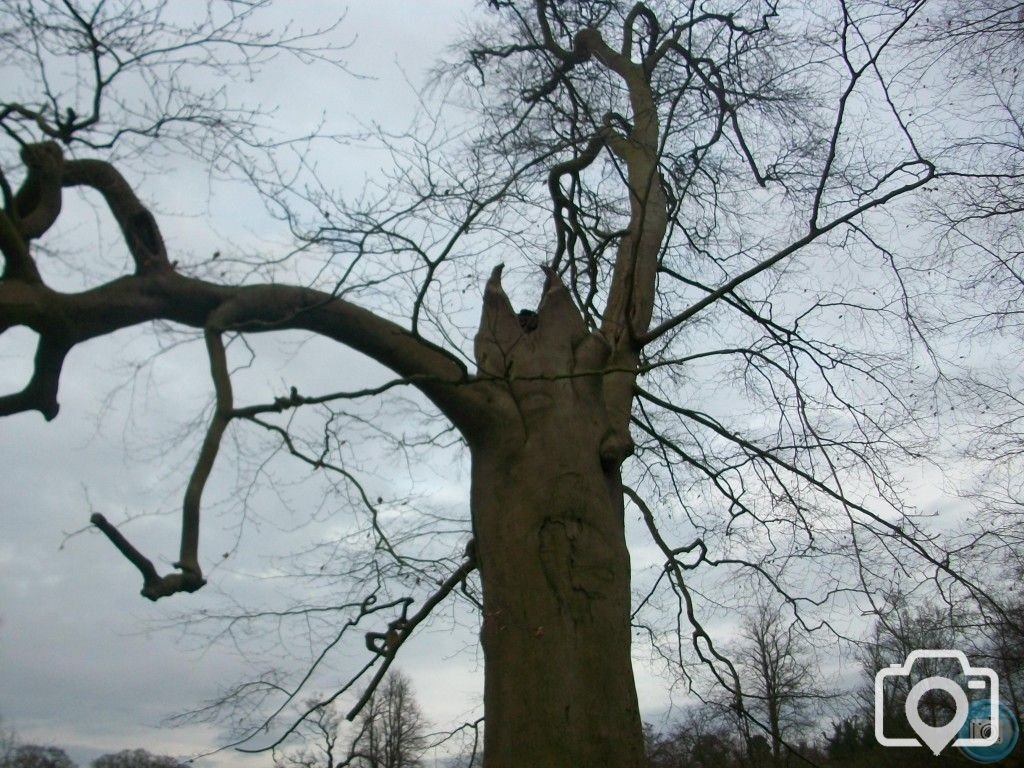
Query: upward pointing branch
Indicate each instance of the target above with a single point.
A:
(631, 294)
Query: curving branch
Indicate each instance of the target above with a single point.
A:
(640, 11)
(157, 292)
(154, 586)
(140, 230)
(29, 213)
(566, 234)
(18, 264)
(37, 203)
(188, 562)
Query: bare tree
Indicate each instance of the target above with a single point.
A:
(321, 734)
(998, 642)
(780, 675)
(906, 625)
(390, 732)
(8, 742)
(725, 342)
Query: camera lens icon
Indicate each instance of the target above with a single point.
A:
(981, 729)
(938, 737)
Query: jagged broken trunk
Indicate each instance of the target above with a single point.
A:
(550, 544)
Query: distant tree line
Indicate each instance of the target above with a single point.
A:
(786, 715)
(34, 756)
(783, 719)
(389, 733)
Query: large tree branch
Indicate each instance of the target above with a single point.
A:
(631, 296)
(154, 586)
(188, 561)
(18, 264)
(631, 293)
(191, 577)
(38, 202)
(157, 292)
(31, 212)
(131, 300)
(40, 394)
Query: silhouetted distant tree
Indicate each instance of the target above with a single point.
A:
(778, 672)
(391, 727)
(8, 743)
(136, 758)
(34, 756)
(323, 742)
(389, 733)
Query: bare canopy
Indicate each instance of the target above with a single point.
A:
(725, 342)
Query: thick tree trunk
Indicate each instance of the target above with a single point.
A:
(551, 549)
(547, 494)
(556, 579)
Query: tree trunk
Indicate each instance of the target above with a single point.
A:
(776, 728)
(550, 546)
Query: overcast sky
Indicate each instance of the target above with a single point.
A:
(81, 666)
(85, 662)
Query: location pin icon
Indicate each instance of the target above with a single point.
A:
(936, 738)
